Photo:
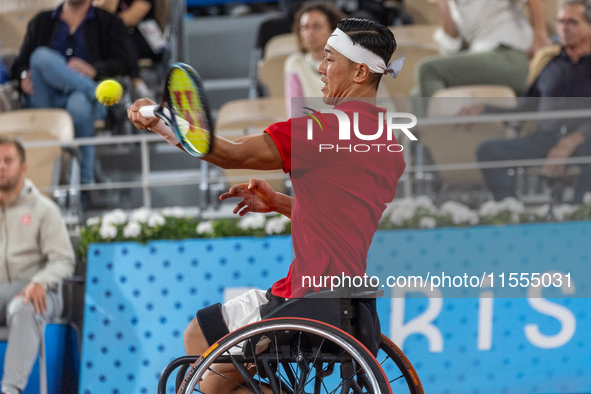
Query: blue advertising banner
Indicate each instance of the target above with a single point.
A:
(140, 298)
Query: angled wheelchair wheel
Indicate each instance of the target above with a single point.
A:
(285, 355)
(400, 373)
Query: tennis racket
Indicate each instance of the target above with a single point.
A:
(185, 110)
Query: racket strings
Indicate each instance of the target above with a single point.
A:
(190, 115)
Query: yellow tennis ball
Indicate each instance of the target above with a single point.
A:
(109, 92)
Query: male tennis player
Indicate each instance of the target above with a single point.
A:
(341, 193)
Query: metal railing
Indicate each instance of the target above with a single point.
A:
(204, 179)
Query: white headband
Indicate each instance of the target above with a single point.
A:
(342, 43)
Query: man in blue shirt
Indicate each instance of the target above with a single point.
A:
(64, 52)
(564, 83)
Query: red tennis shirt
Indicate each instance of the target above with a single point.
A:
(340, 193)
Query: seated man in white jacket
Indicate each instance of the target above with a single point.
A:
(35, 255)
(483, 42)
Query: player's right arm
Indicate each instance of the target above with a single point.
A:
(255, 152)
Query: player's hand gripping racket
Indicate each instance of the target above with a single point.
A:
(185, 110)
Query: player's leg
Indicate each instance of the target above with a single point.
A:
(225, 378)
(323, 358)
(195, 342)
(236, 313)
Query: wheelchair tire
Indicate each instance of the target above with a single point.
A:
(400, 369)
(295, 356)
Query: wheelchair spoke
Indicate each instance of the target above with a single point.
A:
(395, 379)
(318, 353)
(346, 381)
(314, 363)
(225, 377)
(391, 359)
(297, 356)
(284, 386)
(290, 375)
(325, 368)
(382, 363)
(277, 356)
(297, 388)
(248, 379)
(256, 364)
(282, 379)
(303, 366)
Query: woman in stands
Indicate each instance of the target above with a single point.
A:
(314, 23)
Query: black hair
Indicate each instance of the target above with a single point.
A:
(372, 36)
(19, 147)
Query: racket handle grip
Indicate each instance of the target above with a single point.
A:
(147, 111)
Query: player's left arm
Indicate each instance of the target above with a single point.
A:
(258, 196)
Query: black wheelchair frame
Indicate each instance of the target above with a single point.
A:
(300, 345)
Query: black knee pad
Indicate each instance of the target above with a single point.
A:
(212, 323)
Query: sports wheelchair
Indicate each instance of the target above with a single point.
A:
(296, 350)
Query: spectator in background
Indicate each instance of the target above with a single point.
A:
(362, 9)
(64, 52)
(566, 74)
(37, 255)
(133, 13)
(314, 23)
(483, 42)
